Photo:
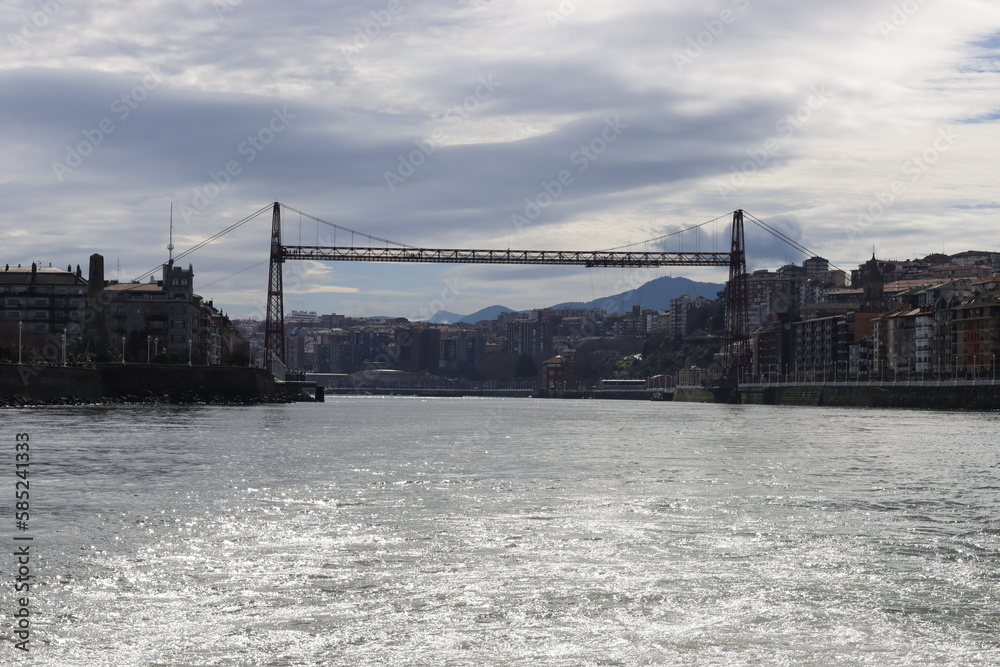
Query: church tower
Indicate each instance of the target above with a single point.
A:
(873, 288)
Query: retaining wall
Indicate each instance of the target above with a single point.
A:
(135, 382)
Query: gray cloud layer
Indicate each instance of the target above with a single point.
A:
(434, 123)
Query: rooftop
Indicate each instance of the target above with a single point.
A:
(45, 275)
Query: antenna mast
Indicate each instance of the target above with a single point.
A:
(170, 244)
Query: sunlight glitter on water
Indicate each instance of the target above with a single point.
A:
(709, 542)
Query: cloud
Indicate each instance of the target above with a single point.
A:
(232, 105)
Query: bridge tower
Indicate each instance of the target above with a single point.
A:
(274, 326)
(737, 346)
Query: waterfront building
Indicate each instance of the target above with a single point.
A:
(525, 337)
(417, 349)
(559, 372)
(977, 334)
(461, 351)
(679, 308)
(815, 266)
(159, 316)
(45, 301)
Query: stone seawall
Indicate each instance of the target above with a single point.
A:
(185, 383)
(943, 396)
(693, 395)
(48, 384)
(27, 385)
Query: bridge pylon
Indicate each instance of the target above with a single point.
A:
(274, 325)
(736, 354)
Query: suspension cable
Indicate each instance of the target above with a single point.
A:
(206, 241)
(665, 236)
(346, 229)
(784, 237)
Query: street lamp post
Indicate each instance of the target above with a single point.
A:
(20, 326)
(189, 352)
(63, 337)
(123, 350)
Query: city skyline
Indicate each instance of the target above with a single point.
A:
(553, 125)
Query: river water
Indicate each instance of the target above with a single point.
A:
(409, 531)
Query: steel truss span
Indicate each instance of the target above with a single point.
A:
(736, 349)
(589, 258)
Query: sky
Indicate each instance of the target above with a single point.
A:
(854, 127)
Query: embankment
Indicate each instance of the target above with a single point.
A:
(942, 396)
(34, 385)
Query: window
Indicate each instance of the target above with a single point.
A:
(41, 315)
(177, 324)
(177, 339)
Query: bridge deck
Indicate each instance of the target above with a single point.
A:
(592, 258)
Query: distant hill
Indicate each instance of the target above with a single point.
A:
(489, 313)
(654, 294)
(444, 317)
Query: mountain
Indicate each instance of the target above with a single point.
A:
(489, 313)
(654, 294)
(444, 317)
